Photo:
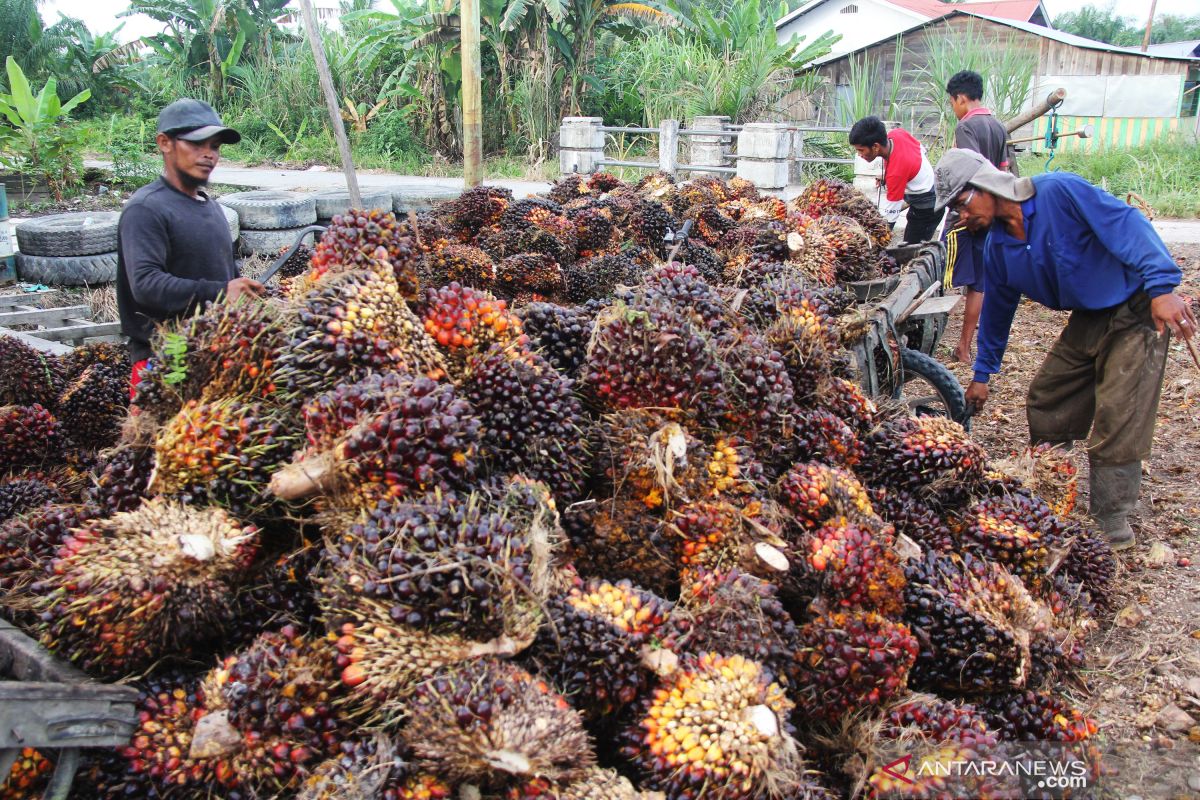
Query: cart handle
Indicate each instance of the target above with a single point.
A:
(279, 262)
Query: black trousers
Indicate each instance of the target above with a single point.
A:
(922, 220)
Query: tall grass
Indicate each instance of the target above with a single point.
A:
(1165, 172)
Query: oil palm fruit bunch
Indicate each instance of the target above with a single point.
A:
(28, 544)
(121, 479)
(853, 250)
(761, 398)
(569, 187)
(593, 783)
(591, 645)
(1089, 564)
(973, 629)
(653, 355)
(535, 273)
(19, 495)
(649, 223)
(559, 333)
(650, 184)
(28, 777)
(711, 222)
(812, 254)
(768, 297)
(682, 285)
(998, 529)
(593, 228)
(464, 321)
(348, 326)
(940, 720)
(704, 259)
(806, 336)
(495, 725)
(1029, 716)
(94, 403)
(224, 451)
(715, 729)
(458, 263)
(812, 434)
(353, 241)
(536, 212)
(297, 263)
(852, 661)
(911, 516)
(833, 196)
(30, 436)
(845, 399)
(279, 590)
(856, 566)
(649, 458)
(27, 376)
(1057, 652)
(502, 242)
(474, 210)
(385, 436)
(734, 612)
(597, 277)
(128, 590)
(1048, 471)
(371, 769)
(816, 493)
(621, 539)
(719, 536)
(533, 422)
(932, 456)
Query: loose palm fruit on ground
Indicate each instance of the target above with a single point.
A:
(931, 456)
(715, 729)
(597, 277)
(815, 493)
(27, 376)
(973, 630)
(1030, 716)
(849, 662)
(493, 724)
(385, 436)
(560, 333)
(533, 421)
(121, 478)
(591, 645)
(224, 451)
(30, 436)
(128, 590)
(361, 239)
(20, 495)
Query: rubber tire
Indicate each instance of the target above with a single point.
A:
(408, 198)
(270, 210)
(337, 201)
(67, 270)
(267, 242)
(68, 235)
(231, 219)
(940, 378)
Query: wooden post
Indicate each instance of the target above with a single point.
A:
(331, 101)
(472, 99)
(1149, 25)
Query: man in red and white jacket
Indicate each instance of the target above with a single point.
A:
(907, 174)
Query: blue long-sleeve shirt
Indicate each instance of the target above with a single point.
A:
(1083, 249)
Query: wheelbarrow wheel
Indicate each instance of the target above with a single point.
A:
(929, 389)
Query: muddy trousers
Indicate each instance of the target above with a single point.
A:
(1101, 381)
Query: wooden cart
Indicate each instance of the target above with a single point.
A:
(56, 329)
(51, 706)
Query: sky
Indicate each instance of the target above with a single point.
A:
(101, 15)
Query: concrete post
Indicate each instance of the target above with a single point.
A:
(580, 145)
(762, 154)
(866, 173)
(710, 151)
(668, 146)
(795, 165)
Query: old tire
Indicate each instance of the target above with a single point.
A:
(231, 219)
(408, 198)
(84, 233)
(939, 392)
(268, 242)
(67, 270)
(331, 202)
(270, 210)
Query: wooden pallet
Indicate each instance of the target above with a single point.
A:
(59, 329)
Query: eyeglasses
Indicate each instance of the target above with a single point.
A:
(960, 203)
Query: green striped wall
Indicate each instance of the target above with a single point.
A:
(1112, 132)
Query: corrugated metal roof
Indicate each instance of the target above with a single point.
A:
(933, 9)
(1177, 49)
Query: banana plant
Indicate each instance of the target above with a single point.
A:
(359, 115)
(39, 142)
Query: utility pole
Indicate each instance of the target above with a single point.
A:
(1149, 25)
(331, 101)
(472, 98)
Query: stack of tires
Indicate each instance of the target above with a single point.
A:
(331, 202)
(270, 220)
(77, 249)
(420, 199)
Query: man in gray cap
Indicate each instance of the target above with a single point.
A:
(1064, 243)
(173, 247)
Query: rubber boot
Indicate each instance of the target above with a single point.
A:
(1114, 493)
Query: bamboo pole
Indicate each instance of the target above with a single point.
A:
(1149, 26)
(471, 94)
(331, 101)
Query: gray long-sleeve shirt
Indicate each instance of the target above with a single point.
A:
(173, 254)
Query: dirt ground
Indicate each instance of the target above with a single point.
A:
(1143, 665)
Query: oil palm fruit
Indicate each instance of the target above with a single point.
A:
(29, 775)
(121, 477)
(1007, 531)
(93, 405)
(475, 209)
(362, 239)
(464, 321)
(28, 544)
(495, 725)
(853, 249)
(856, 566)
(650, 458)
(27, 376)
(459, 263)
(596, 278)
(531, 272)
(593, 783)
(386, 436)
(30, 436)
(805, 334)
(833, 196)
(621, 539)
(932, 456)
(559, 333)
(140, 585)
(847, 401)
(1028, 716)
(815, 493)
(682, 285)
(718, 536)
(911, 516)
(20, 495)
(715, 728)
(371, 769)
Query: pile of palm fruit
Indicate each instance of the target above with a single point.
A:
(504, 501)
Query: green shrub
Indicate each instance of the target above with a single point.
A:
(390, 136)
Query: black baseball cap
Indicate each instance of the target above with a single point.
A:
(195, 121)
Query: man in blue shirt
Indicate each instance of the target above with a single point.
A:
(1066, 244)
